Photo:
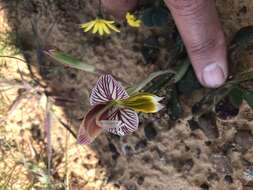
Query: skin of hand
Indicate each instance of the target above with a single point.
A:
(199, 26)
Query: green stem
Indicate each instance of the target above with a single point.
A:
(100, 14)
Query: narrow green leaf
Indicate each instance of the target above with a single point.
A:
(243, 77)
(174, 105)
(136, 88)
(188, 83)
(70, 61)
(48, 126)
(236, 96)
(181, 71)
(248, 96)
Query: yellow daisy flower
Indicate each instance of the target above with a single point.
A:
(100, 26)
(132, 20)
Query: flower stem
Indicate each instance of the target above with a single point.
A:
(100, 8)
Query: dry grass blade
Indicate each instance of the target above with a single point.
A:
(13, 106)
(48, 125)
(6, 85)
(12, 57)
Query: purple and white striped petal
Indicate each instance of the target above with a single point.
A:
(106, 89)
(128, 121)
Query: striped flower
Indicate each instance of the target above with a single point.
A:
(114, 111)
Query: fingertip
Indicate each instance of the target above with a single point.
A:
(214, 75)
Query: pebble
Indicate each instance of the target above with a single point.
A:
(225, 110)
(207, 124)
(244, 139)
(221, 164)
(141, 144)
(204, 186)
(150, 131)
(228, 179)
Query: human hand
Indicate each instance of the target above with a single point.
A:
(199, 26)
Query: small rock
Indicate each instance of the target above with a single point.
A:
(207, 124)
(221, 164)
(213, 177)
(150, 131)
(244, 139)
(140, 180)
(127, 150)
(228, 147)
(131, 186)
(225, 110)
(228, 179)
(193, 124)
(188, 164)
(114, 151)
(204, 186)
(248, 188)
(248, 174)
(36, 132)
(208, 143)
(141, 144)
(243, 10)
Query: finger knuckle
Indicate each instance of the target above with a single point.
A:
(205, 46)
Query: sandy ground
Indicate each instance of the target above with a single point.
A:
(162, 154)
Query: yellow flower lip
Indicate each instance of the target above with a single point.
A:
(132, 20)
(100, 26)
(142, 102)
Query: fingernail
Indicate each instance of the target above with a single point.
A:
(213, 75)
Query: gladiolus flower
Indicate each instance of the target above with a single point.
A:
(113, 110)
(100, 26)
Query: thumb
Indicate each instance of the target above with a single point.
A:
(201, 31)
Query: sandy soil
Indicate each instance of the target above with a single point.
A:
(161, 155)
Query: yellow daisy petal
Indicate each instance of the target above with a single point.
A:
(109, 21)
(105, 28)
(87, 24)
(100, 29)
(95, 29)
(114, 28)
(100, 26)
(89, 27)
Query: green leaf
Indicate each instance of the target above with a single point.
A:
(174, 105)
(243, 38)
(150, 49)
(188, 83)
(248, 96)
(70, 61)
(155, 16)
(136, 88)
(181, 71)
(241, 42)
(236, 96)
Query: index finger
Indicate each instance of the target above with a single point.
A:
(199, 26)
